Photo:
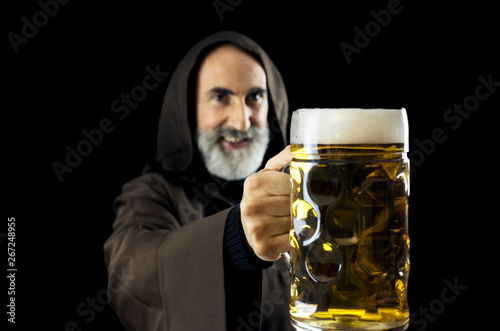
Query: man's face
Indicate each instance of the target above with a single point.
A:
(231, 112)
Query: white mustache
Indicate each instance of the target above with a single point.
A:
(233, 164)
(235, 136)
(231, 135)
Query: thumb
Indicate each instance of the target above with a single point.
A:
(280, 160)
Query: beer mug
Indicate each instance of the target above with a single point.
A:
(349, 203)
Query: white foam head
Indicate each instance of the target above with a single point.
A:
(345, 126)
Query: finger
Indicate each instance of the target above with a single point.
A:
(277, 206)
(263, 230)
(266, 183)
(283, 243)
(277, 183)
(282, 226)
(276, 245)
(280, 160)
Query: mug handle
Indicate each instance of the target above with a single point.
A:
(286, 256)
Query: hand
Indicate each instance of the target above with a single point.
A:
(265, 208)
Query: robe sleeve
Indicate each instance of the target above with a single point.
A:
(164, 276)
(238, 253)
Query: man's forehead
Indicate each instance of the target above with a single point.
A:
(230, 62)
(228, 51)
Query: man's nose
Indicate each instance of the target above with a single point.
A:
(239, 117)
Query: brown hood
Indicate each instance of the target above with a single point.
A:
(175, 148)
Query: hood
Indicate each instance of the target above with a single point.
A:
(176, 147)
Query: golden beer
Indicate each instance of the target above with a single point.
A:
(350, 243)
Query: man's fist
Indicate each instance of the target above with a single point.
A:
(265, 208)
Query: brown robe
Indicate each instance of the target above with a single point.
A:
(166, 258)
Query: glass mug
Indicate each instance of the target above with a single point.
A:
(349, 204)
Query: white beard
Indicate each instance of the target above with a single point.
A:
(233, 164)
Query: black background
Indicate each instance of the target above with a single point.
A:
(64, 79)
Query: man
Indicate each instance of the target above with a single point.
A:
(196, 234)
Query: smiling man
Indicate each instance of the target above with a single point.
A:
(197, 236)
(232, 109)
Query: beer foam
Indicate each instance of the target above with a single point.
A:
(339, 126)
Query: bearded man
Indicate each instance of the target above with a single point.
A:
(196, 235)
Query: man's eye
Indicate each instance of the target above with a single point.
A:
(255, 96)
(220, 97)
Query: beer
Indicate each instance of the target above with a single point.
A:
(349, 201)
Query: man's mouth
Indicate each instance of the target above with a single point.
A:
(232, 142)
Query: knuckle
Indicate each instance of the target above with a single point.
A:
(252, 183)
(255, 232)
(286, 224)
(267, 248)
(262, 251)
(253, 240)
(248, 207)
